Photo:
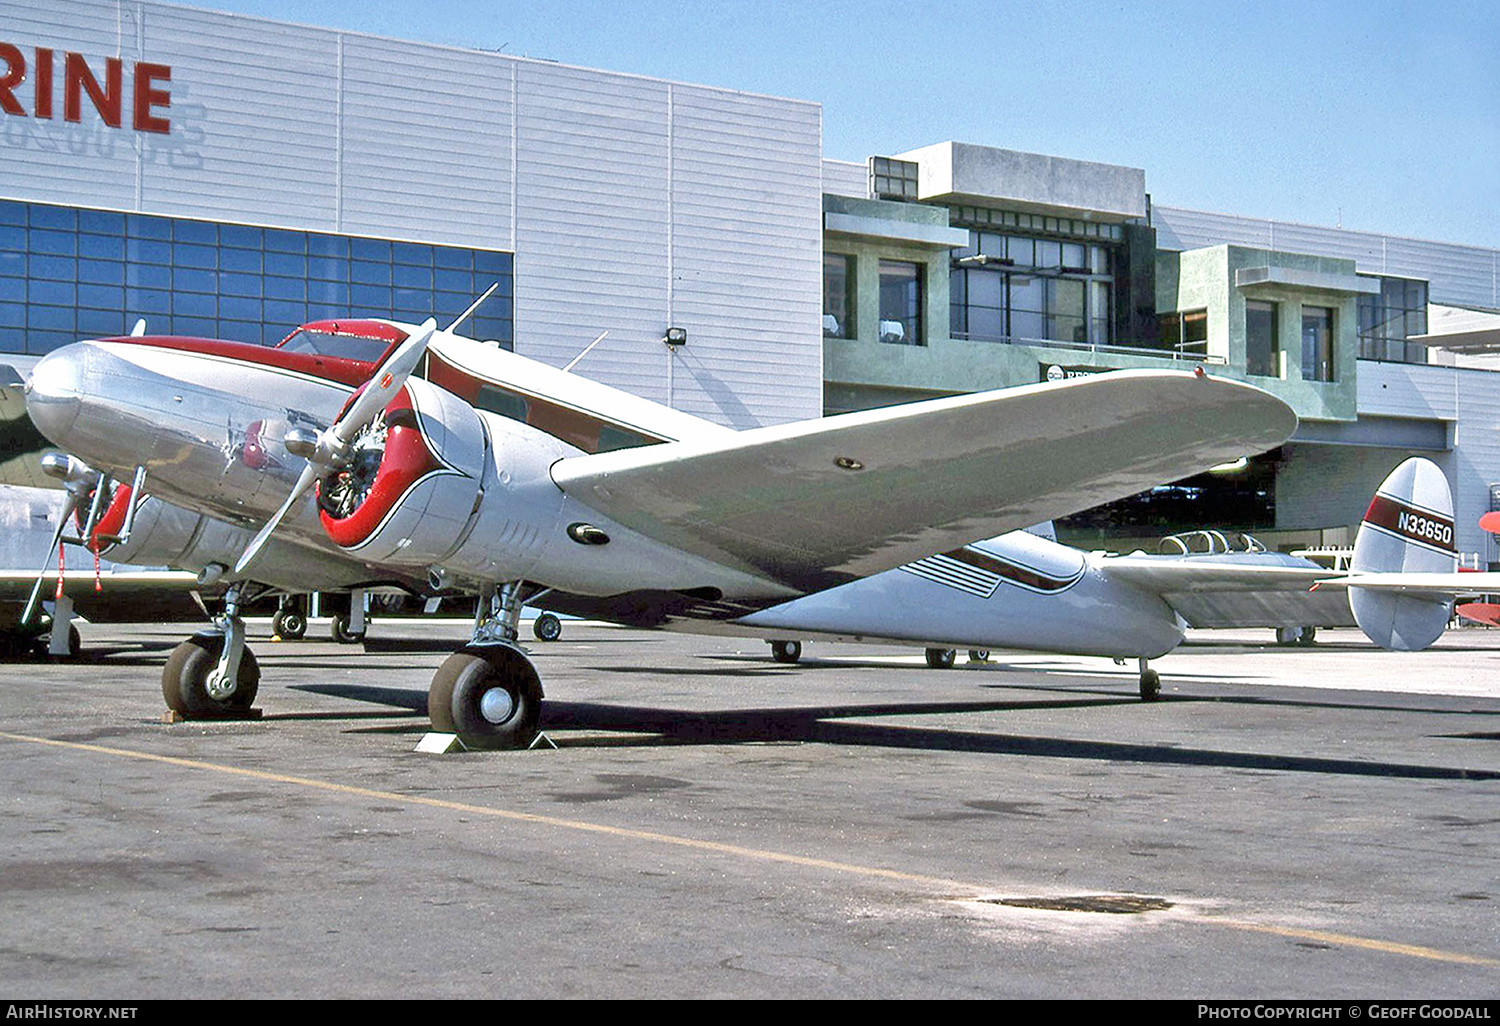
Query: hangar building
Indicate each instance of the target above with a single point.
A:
(229, 176)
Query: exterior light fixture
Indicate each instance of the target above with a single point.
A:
(675, 337)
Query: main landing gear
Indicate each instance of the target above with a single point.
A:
(1150, 683)
(213, 675)
(488, 692)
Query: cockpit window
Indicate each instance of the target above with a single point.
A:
(340, 346)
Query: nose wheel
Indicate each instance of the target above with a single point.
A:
(213, 675)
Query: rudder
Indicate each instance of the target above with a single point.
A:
(1407, 528)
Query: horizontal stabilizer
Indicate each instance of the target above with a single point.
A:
(817, 503)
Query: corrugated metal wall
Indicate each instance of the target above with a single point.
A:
(1461, 275)
(630, 203)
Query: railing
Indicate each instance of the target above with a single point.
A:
(1092, 347)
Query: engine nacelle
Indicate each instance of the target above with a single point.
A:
(412, 481)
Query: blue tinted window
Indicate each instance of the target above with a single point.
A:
(281, 241)
(192, 280)
(202, 327)
(455, 281)
(240, 284)
(290, 265)
(201, 232)
(12, 290)
(240, 260)
(411, 253)
(12, 212)
(331, 293)
(203, 257)
(101, 222)
(106, 247)
(39, 341)
(370, 249)
(139, 226)
(148, 251)
(191, 304)
(139, 302)
(328, 268)
(241, 331)
(491, 263)
(372, 299)
(412, 277)
(417, 299)
(285, 288)
(148, 276)
(54, 318)
(12, 315)
(364, 273)
(13, 240)
(239, 308)
(54, 268)
(327, 246)
(101, 297)
(286, 314)
(62, 218)
(13, 264)
(102, 272)
(452, 259)
(101, 323)
(239, 236)
(57, 243)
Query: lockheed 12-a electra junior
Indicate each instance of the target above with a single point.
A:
(441, 464)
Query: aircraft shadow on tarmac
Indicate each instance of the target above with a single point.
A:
(636, 726)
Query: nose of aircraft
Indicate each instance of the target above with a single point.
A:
(55, 391)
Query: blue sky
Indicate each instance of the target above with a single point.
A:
(1383, 116)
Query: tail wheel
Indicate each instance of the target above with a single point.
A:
(941, 658)
(184, 680)
(546, 627)
(786, 651)
(289, 624)
(490, 696)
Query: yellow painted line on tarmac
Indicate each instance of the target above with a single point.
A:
(759, 854)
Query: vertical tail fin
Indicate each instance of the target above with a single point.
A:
(1408, 528)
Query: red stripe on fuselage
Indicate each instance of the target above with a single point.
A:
(329, 368)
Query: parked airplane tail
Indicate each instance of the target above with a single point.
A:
(1407, 529)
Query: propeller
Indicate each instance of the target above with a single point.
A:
(330, 448)
(77, 478)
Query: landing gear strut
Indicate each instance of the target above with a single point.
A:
(213, 675)
(488, 692)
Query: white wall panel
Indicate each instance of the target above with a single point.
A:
(846, 178)
(1461, 275)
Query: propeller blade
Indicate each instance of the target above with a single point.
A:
(70, 506)
(304, 482)
(387, 380)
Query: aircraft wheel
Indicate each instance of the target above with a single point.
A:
(1309, 635)
(490, 696)
(1150, 685)
(341, 633)
(288, 624)
(786, 651)
(41, 647)
(546, 627)
(1288, 635)
(184, 680)
(941, 658)
(979, 655)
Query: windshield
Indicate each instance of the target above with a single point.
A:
(340, 346)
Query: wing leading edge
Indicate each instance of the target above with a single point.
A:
(817, 503)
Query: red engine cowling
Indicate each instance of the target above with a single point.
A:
(410, 485)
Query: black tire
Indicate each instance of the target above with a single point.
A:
(490, 696)
(339, 630)
(786, 651)
(184, 680)
(42, 647)
(1309, 636)
(979, 655)
(289, 624)
(941, 658)
(1150, 685)
(546, 627)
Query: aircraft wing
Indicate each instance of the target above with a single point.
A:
(124, 596)
(1206, 575)
(817, 503)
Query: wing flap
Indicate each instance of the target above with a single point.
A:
(818, 503)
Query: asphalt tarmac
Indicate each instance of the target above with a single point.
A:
(1285, 823)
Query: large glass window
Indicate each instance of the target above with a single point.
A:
(1007, 287)
(1262, 346)
(1185, 332)
(901, 303)
(1317, 343)
(838, 296)
(1386, 321)
(65, 273)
